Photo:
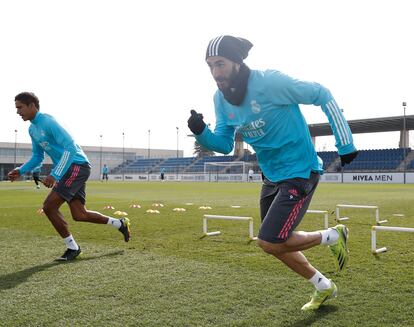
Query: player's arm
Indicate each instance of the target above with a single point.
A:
(14, 174)
(49, 181)
(36, 160)
(64, 140)
(292, 91)
(222, 140)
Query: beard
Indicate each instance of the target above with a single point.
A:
(236, 85)
(229, 81)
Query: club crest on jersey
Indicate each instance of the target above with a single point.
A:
(231, 115)
(255, 107)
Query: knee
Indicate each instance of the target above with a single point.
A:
(275, 249)
(264, 246)
(49, 207)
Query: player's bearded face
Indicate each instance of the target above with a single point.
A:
(226, 79)
(223, 70)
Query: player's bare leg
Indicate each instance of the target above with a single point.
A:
(80, 213)
(51, 207)
(289, 252)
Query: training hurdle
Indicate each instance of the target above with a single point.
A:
(325, 216)
(207, 217)
(385, 228)
(377, 218)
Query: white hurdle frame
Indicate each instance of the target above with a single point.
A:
(357, 206)
(374, 230)
(206, 217)
(325, 216)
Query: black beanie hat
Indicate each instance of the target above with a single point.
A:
(233, 48)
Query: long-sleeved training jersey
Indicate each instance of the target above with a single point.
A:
(270, 121)
(48, 136)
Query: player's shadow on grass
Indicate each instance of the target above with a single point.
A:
(16, 278)
(314, 316)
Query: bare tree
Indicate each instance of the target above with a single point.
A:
(200, 151)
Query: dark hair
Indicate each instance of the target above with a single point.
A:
(28, 98)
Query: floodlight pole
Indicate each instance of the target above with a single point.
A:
(15, 148)
(177, 140)
(100, 157)
(177, 153)
(149, 144)
(404, 141)
(123, 156)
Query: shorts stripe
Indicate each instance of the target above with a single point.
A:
(72, 177)
(291, 219)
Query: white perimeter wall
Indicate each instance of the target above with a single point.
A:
(359, 178)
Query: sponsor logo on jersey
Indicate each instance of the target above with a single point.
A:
(253, 129)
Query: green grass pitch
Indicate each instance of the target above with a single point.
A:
(167, 275)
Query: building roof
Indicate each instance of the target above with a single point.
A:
(370, 125)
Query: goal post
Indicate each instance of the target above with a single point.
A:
(227, 167)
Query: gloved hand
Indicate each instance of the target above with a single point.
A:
(196, 123)
(347, 158)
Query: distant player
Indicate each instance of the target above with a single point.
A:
(162, 173)
(250, 173)
(263, 106)
(68, 177)
(105, 171)
(36, 175)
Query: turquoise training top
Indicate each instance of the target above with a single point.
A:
(48, 136)
(270, 120)
(37, 169)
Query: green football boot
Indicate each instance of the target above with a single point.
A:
(125, 229)
(340, 248)
(319, 297)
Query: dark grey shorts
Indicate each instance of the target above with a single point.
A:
(73, 184)
(283, 205)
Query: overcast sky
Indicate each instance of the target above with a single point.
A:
(111, 67)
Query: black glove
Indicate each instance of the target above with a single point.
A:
(347, 158)
(196, 123)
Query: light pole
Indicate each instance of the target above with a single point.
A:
(100, 157)
(177, 140)
(149, 143)
(177, 151)
(15, 147)
(404, 140)
(123, 156)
